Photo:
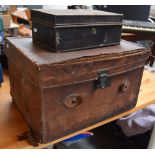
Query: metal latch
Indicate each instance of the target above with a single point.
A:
(103, 80)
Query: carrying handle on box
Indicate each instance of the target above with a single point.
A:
(72, 100)
(124, 86)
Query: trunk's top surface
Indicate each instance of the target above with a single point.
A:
(76, 12)
(41, 56)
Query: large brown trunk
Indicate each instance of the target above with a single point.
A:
(60, 93)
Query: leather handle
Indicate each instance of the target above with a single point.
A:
(124, 86)
(72, 101)
(103, 80)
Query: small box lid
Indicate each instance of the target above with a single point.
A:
(75, 16)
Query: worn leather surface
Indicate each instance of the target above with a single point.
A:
(42, 56)
(56, 92)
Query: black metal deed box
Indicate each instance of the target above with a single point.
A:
(67, 30)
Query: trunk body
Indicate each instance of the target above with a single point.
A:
(60, 93)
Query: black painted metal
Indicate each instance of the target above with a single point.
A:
(67, 33)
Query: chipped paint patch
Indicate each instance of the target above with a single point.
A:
(58, 38)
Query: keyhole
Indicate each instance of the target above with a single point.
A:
(94, 31)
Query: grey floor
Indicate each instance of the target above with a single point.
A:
(109, 136)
